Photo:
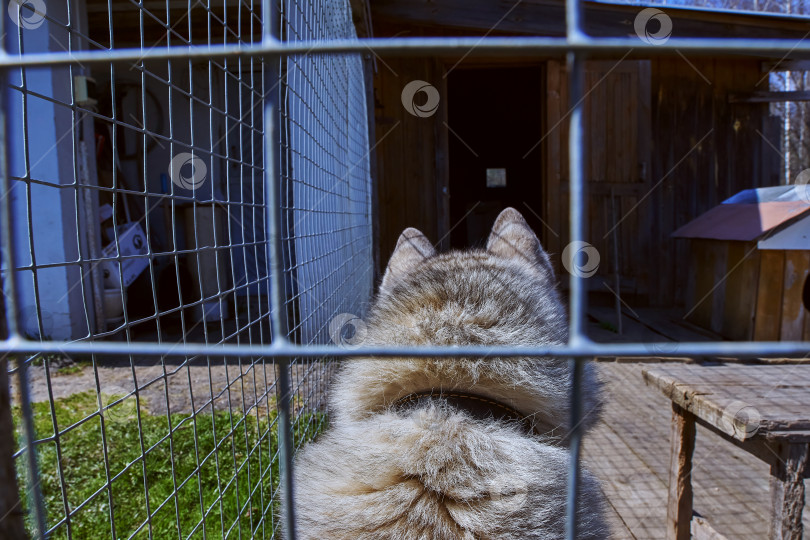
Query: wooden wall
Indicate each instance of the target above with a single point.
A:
(617, 171)
(411, 155)
(722, 286)
(689, 105)
(780, 313)
(664, 145)
(742, 293)
(664, 138)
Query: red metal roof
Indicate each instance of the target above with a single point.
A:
(745, 222)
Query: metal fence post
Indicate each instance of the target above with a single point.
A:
(578, 298)
(11, 306)
(271, 21)
(11, 510)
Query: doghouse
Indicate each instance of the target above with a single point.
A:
(748, 266)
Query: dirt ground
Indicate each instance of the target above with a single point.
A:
(180, 387)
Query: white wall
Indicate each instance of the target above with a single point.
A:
(45, 213)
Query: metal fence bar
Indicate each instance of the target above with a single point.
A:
(584, 349)
(281, 350)
(578, 291)
(278, 307)
(573, 21)
(34, 495)
(35, 501)
(472, 47)
(64, 514)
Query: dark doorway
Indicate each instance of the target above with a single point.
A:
(495, 118)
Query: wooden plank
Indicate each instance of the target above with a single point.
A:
(621, 189)
(602, 117)
(628, 450)
(442, 165)
(699, 309)
(741, 285)
(627, 91)
(670, 323)
(806, 303)
(630, 455)
(741, 401)
(368, 72)
(407, 154)
(769, 296)
(770, 97)
(599, 164)
(613, 93)
(787, 491)
(639, 173)
(553, 174)
(797, 267)
(785, 65)
(806, 336)
(388, 150)
(547, 18)
(758, 447)
(679, 502)
(702, 530)
(618, 529)
(633, 490)
(562, 133)
(719, 270)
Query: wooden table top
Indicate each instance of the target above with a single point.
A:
(741, 401)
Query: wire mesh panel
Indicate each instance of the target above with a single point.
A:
(326, 200)
(327, 172)
(138, 244)
(138, 197)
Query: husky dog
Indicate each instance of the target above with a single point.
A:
(439, 448)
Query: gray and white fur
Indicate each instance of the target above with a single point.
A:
(434, 472)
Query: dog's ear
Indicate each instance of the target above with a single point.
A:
(512, 238)
(413, 247)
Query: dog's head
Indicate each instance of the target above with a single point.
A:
(502, 295)
(511, 242)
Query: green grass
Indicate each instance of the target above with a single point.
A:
(232, 487)
(72, 369)
(68, 367)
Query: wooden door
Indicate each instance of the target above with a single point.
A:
(617, 169)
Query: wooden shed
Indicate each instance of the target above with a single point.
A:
(749, 265)
(666, 138)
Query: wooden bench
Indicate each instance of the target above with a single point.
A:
(764, 410)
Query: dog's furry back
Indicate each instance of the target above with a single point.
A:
(437, 473)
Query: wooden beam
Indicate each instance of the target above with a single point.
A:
(785, 65)
(787, 491)
(547, 18)
(442, 164)
(770, 97)
(758, 446)
(679, 503)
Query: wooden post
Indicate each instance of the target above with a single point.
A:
(787, 490)
(11, 511)
(679, 504)
(616, 276)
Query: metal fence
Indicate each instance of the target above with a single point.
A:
(223, 224)
(135, 204)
